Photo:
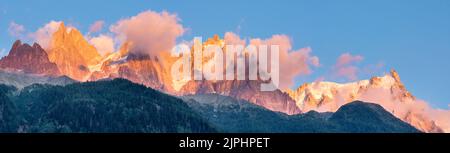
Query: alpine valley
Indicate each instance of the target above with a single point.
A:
(68, 86)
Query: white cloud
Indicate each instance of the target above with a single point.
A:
(103, 43)
(43, 35)
(96, 26)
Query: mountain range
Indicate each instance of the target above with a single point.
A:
(232, 115)
(70, 58)
(122, 106)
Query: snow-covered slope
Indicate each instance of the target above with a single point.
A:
(388, 91)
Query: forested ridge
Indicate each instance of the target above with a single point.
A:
(103, 106)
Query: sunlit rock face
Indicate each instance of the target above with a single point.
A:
(72, 53)
(28, 59)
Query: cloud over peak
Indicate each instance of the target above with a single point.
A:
(345, 67)
(103, 43)
(43, 35)
(151, 32)
(293, 63)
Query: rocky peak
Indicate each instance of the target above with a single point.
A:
(398, 89)
(72, 38)
(16, 45)
(36, 45)
(395, 75)
(28, 59)
(72, 53)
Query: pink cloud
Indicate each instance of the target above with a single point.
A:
(96, 26)
(314, 60)
(16, 30)
(43, 35)
(347, 58)
(150, 32)
(293, 63)
(344, 66)
(348, 71)
(231, 38)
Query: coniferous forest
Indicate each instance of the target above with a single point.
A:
(103, 106)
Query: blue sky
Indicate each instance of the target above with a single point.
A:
(410, 36)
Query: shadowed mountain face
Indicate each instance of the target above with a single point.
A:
(103, 106)
(28, 59)
(231, 115)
